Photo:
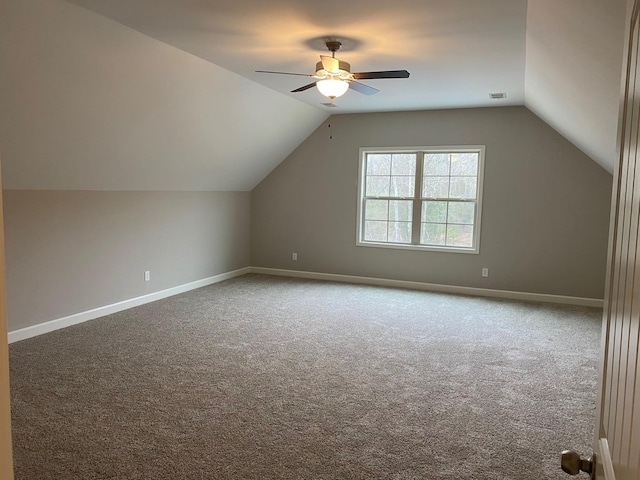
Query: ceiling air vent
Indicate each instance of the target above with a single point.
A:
(330, 105)
(497, 96)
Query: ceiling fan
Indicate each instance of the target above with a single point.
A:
(334, 77)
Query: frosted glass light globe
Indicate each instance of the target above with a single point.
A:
(332, 88)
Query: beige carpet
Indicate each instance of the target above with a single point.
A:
(272, 378)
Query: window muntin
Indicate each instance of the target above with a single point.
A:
(426, 198)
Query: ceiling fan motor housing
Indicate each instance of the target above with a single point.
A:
(344, 70)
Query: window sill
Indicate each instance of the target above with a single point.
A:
(423, 248)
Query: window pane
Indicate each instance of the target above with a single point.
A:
(375, 231)
(379, 164)
(402, 186)
(434, 212)
(464, 164)
(459, 235)
(401, 210)
(377, 187)
(403, 164)
(463, 187)
(433, 234)
(436, 164)
(400, 232)
(435, 187)
(376, 210)
(461, 212)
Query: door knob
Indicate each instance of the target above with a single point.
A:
(572, 463)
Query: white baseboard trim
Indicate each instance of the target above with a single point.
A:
(57, 324)
(50, 326)
(433, 287)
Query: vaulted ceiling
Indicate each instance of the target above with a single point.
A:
(458, 51)
(163, 94)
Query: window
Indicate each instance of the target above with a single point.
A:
(421, 198)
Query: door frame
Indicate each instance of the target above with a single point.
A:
(6, 451)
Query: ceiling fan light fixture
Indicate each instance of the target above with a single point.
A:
(333, 76)
(332, 87)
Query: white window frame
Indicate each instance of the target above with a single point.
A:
(417, 198)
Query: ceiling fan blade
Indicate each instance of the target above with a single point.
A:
(306, 87)
(285, 73)
(330, 64)
(385, 74)
(362, 88)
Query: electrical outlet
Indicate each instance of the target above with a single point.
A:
(294, 257)
(485, 272)
(147, 276)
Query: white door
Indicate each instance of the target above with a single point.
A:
(6, 464)
(618, 425)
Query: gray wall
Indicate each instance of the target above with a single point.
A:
(113, 147)
(545, 205)
(89, 104)
(72, 251)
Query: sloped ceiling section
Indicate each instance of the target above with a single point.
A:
(573, 69)
(89, 104)
(458, 51)
(562, 59)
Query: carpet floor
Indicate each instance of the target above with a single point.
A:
(264, 377)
